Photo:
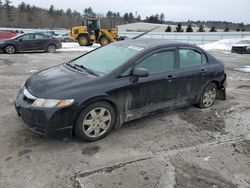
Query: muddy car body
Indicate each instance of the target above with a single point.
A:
(150, 75)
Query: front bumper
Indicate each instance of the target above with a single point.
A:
(239, 50)
(49, 122)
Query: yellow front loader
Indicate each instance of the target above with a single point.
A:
(91, 32)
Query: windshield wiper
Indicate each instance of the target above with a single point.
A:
(88, 70)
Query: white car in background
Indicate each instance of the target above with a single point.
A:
(241, 47)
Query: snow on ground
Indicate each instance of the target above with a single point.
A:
(74, 46)
(224, 44)
(244, 69)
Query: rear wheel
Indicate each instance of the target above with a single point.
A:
(208, 96)
(95, 122)
(104, 41)
(83, 40)
(10, 49)
(51, 48)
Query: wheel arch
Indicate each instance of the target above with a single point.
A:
(10, 45)
(102, 98)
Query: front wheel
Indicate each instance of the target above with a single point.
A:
(208, 96)
(95, 122)
(10, 49)
(51, 49)
(104, 41)
(83, 40)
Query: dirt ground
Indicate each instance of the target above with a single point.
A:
(188, 147)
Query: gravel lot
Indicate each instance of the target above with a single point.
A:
(188, 147)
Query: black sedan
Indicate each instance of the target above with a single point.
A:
(30, 42)
(123, 81)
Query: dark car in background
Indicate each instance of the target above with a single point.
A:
(65, 37)
(242, 47)
(122, 81)
(30, 42)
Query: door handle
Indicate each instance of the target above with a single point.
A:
(170, 76)
(203, 70)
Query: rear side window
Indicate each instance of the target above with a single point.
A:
(37, 36)
(191, 58)
(159, 62)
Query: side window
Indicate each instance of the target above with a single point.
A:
(37, 36)
(159, 62)
(191, 58)
(27, 37)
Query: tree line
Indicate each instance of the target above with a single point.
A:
(31, 16)
(201, 28)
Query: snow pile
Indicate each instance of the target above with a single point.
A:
(224, 44)
(74, 46)
(244, 69)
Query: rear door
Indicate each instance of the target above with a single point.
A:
(41, 41)
(192, 74)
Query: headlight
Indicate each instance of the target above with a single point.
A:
(51, 103)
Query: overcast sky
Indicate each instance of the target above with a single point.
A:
(176, 10)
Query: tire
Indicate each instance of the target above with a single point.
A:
(208, 96)
(95, 122)
(51, 48)
(9, 49)
(83, 40)
(104, 41)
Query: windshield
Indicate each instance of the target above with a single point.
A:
(107, 58)
(244, 42)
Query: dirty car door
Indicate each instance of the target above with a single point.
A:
(155, 91)
(191, 75)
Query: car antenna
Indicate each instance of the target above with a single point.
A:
(140, 35)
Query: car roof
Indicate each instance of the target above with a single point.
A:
(151, 43)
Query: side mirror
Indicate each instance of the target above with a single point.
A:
(137, 73)
(20, 40)
(140, 72)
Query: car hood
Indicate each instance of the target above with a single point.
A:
(58, 82)
(241, 45)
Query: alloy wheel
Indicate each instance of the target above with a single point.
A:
(209, 97)
(51, 48)
(10, 49)
(97, 122)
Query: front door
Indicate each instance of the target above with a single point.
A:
(156, 91)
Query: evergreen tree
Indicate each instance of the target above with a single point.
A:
(8, 10)
(89, 12)
(238, 29)
(201, 28)
(168, 29)
(162, 17)
(189, 28)
(22, 7)
(226, 28)
(126, 18)
(131, 17)
(213, 29)
(179, 28)
(1, 7)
